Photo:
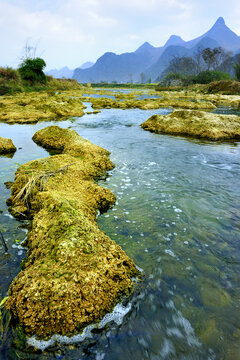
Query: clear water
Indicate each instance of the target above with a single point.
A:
(177, 215)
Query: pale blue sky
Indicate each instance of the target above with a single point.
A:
(70, 32)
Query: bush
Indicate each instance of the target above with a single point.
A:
(9, 86)
(32, 70)
(205, 77)
(237, 71)
(227, 87)
(62, 84)
(10, 81)
(10, 74)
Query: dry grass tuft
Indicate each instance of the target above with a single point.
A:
(39, 181)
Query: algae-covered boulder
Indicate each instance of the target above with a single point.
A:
(39, 106)
(149, 104)
(73, 273)
(195, 123)
(6, 146)
(69, 142)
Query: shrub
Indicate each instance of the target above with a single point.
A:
(9, 86)
(10, 81)
(205, 77)
(32, 70)
(237, 70)
(227, 87)
(10, 74)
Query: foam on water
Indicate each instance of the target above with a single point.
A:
(170, 252)
(116, 315)
(180, 320)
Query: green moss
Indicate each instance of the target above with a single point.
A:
(34, 107)
(6, 146)
(73, 273)
(148, 104)
(196, 124)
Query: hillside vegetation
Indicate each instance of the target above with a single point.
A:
(30, 77)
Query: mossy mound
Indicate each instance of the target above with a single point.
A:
(6, 146)
(34, 107)
(73, 273)
(198, 124)
(224, 87)
(149, 104)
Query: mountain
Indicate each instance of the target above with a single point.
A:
(65, 72)
(152, 61)
(111, 67)
(222, 34)
(174, 40)
(86, 65)
(125, 67)
(172, 52)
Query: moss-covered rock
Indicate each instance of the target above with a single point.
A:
(149, 104)
(6, 146)
(73, 273)
(198, 124)
(34, 107)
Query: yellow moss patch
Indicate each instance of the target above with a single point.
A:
(34, 107)
(148, 104)
(6, 146)
(215, 99)
(74, 273)
(198, 124)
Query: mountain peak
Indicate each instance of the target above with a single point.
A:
(145, 46)
(174, 40)
(220, 21)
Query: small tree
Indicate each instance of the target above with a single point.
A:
(198, 59)
(237, 70)
(32, 70)
(213, 57)
(143, 77)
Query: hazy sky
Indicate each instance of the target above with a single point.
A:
(70, 32)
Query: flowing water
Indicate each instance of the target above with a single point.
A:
(177, 216)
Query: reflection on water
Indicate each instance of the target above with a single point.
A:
(177, 215)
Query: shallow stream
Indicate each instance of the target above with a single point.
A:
(177, 215)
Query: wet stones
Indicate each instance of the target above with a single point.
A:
(6, 146)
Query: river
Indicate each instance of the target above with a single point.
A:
(177, 216)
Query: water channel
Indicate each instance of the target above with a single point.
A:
(177, 216)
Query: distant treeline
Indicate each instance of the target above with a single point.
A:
(205, 66)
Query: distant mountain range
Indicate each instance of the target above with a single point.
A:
(149, 61)
(65, 72)
(152, 60)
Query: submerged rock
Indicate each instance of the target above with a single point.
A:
(198, 124)
(73, 273)
(6, 146)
